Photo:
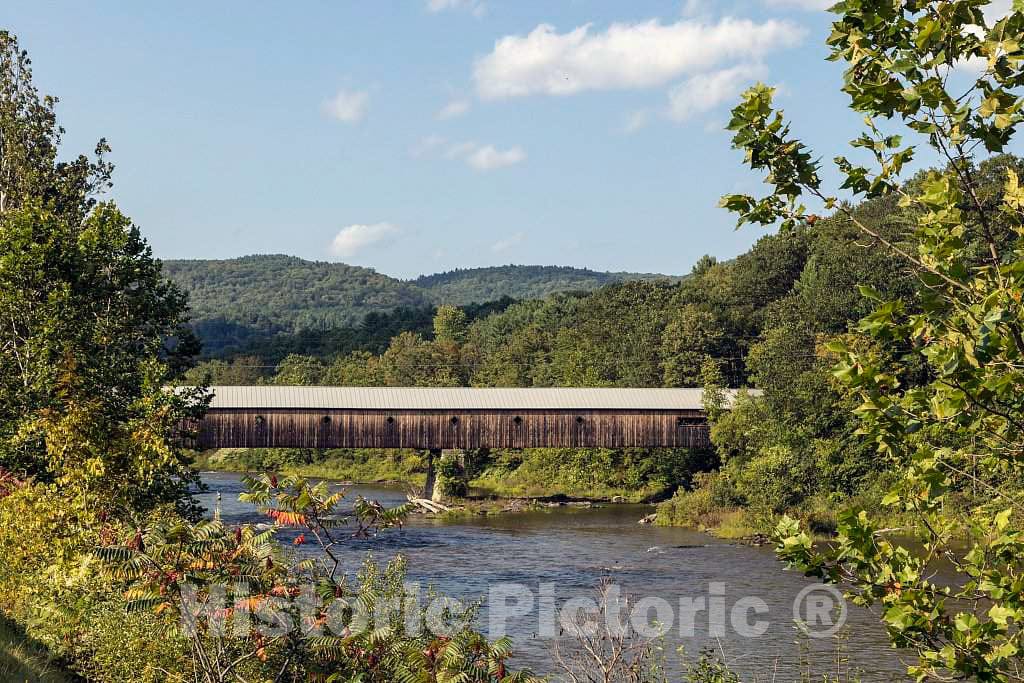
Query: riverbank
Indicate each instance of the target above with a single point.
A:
(485, 506)
(596, 475)
(698, 510)
(483, 501)
(25, 661)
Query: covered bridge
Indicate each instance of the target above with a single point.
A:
(451, 418)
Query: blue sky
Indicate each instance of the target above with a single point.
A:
(416, 136)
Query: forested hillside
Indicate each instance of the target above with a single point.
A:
(480, 285)
(236, 301)
(259, 302)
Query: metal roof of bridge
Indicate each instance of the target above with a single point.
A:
(458, 398)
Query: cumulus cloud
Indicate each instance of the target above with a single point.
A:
(426, 145)
(488, 157)
(637, 120)
(452, 109)
(352, 239)
(348, 106)
(477, 7)
(706, 91)
(640, 55)
(508, 242)
(473, 154)
(460, 150)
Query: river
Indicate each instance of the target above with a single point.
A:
(574, 549)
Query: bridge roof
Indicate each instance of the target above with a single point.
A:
(457, 398)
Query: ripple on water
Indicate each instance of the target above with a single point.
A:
(574, 549)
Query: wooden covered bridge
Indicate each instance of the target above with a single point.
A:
(451, 418)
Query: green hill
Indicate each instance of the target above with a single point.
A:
(478, 285)
(239, 304)
(237, 301)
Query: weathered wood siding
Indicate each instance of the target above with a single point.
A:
(332, 428)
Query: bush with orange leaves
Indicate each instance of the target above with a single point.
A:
(252, 611)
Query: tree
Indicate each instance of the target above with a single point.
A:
(942, 386)
(89, 323)
(412, 361)
(300, 370)
(29, 142)
(241, 371)
(450, 323)
(690, 337)
(358, 369)
(704, 264)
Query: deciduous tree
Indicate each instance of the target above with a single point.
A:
(942, 389)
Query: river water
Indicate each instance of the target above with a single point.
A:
(575, 549)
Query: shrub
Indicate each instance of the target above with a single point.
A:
(50, 588)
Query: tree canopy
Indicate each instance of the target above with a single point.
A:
(91, 328)
(937, 377)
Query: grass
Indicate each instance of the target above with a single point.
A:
(364, 465)
(23, 660)
(539, 474)
(729, 523)
(515, 485)
(735, 525)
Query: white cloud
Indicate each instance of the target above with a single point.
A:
(487, 158)
(508, 242)
(352, 239)
(477, 7)
(704, 92)
(348, 106)
(460, 150)
(638, 55)
(452, 109)
(637, 120)
(472, 153)
(426, 145)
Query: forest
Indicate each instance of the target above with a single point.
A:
(259, 301)
(761, 320)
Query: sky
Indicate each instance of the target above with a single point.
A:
(417, 136)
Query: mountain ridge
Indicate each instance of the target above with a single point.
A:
(236, 302)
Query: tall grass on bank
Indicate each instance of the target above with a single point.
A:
(634, 475)
(22, 660)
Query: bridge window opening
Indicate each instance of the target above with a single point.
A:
(454, 420)
(260, 419)
(518, 420)
(391, 419)
(579, 419)
(326, 419)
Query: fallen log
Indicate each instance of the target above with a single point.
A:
(428, 505)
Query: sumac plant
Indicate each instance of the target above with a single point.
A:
(941, 382)
(256, 609)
